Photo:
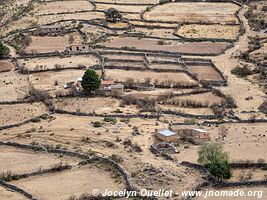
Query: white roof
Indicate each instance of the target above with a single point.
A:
(166, 132)
(200, 130)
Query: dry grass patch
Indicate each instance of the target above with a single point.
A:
(62, 6)
(47, 44)
(204, 72)
(93, 105)
(152, 45)
(6, 66)
(20, 161)
(20, 112)
(7, 194)
(121, 8)
(46, 80)
(73, 182)
(13, 86)
(140, 76)
(194, 12)
(52, 62)
(70, 16)
(130, 1)
(206, 99)
(209, 31)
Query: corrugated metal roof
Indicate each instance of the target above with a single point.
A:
(166, 132)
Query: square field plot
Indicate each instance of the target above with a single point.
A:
(63, 185)
(15, 113)
(201, 12)
(55, 7)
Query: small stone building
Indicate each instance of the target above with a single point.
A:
(167, 135)
(78, 48)
(109, 86)
(192, 134)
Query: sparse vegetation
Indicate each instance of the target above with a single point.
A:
(3, 50)
(215, 159)
(113, 15)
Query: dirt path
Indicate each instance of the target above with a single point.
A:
(239, 88)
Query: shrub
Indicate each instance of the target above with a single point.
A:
(229, 102)
(3, 50)
(110, 119)
(38, 95)
(116, 158)
(263, 107)
(113, 15)
(241, 71)
(97, 124)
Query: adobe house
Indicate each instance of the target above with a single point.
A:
(167, 135)
(50, 30)
(109, 86)
(192, 134)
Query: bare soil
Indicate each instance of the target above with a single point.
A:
(19, 161)
(47, 44)
(191, 12)
(209, 31)
(6, 66)
(68, 183)
(20, 112)
(149, 44)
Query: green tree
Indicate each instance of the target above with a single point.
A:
(90, 81)
(3, 50)
(113, 15)
(215, 159)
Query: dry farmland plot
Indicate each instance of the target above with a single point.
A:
(70, 16)
(123, 56)
(121, 8)
(47, 44)
(122, 76)
(194, 12)
(7, 194)
(62, 6)
(209, 31)
(208, 98)
(50, 62)
(144, 23)
(130, 1)
(6, 66)
(186, 47)
(46, 80)
(11, 114)
(204, 72)
(165, 66)
(13, 86)
(20, 161)
(93, 105)
(192, 111)
(125, 64)
(162, 33)
(68, 183)
(161, 58)
(246, 141)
